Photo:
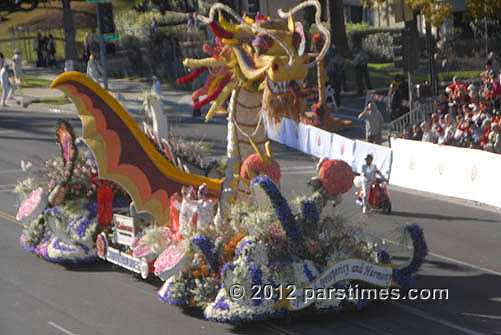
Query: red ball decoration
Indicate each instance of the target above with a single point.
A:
(336, 176)
(257, 166)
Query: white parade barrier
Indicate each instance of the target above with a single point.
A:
(451, 171)
(320, 143)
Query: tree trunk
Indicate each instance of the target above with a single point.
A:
(339, 38)
(70, 49)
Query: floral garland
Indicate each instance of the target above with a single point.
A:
(282, 209)
(208, 249)
(403, 276)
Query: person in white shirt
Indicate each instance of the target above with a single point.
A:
(6, 85)
(369, 172)
(17, 60)
(93, 69)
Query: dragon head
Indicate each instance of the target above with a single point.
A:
(261, 54)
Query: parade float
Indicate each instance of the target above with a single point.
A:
(234, 247)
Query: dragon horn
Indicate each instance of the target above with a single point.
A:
(264, 158)
(323, 30)
(251, 174)
(269, 153)
(219, 6)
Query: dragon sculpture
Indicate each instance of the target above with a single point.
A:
(255, 63)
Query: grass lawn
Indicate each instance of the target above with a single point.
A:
(62, 100)
(32, 81)
(381, 75)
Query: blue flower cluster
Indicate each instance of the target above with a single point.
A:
(221, 304)
(278, 314)
(242, 246)
(308, 273)
(282, 209)
(403, 276)
(383, 257)
(171, 301)
(229, 266)
(309, 211)
(256, 279)
(208, 249)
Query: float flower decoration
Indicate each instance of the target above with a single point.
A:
(66, 230)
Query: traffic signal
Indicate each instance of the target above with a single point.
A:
(399, 50)
(105, 17)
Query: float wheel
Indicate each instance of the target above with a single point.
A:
(101, 245)
(144, 268)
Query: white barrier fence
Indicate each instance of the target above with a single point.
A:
(451, 171)
(320, 143)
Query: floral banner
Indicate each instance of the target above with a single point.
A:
(347, 269)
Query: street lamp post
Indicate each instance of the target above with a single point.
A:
(101, 46)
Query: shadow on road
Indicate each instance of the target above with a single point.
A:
(438, 217)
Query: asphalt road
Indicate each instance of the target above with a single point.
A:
(43, 298)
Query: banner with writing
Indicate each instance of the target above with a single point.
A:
(347, 269)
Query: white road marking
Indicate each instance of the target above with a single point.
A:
(457, 261)
(11, 171)
(430, 317)
(55, 325)
(5, 186)
(6, 190)
(484, 316)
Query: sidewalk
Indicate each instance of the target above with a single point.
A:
(128, 91)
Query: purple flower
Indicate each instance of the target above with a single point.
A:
(403, 276)
(256, 281)
(308, 273)
(309, 211)
(172, 301)
(221, 304)
(282, 209)
(208, 249)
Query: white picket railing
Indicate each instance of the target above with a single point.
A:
(415, 116)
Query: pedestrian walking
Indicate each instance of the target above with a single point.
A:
(37, 46)
(7, 87)
(335, 74)
(17, 61)
(43, 46)
(87, 40)
(51, 51)
(94, 71)
(361, 71)
(2, 60)
(374, 123)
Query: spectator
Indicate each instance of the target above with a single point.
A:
(17, 61)
(7, 87)
(418, 133)
(94, 69)
(37, 46)
(408, 132)
(2, 60)
(335, 72)
(87, 40)
(45, 51)
(450, 128)
(51, 51)
(427, 134)
(442, 105)
(374, 123)
(361, 70)
(399, 90)
(441, 135)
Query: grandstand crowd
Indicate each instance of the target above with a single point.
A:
(465, 115)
